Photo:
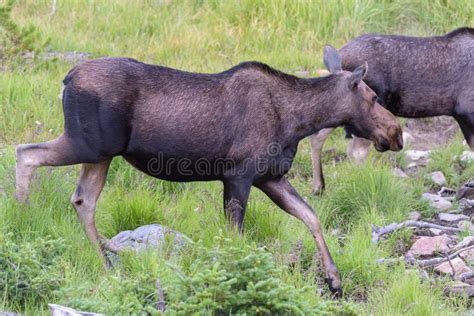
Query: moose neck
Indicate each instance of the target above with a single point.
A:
(310, 106)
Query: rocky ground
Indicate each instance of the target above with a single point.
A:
(443, 245)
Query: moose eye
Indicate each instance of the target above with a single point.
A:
(374, 99)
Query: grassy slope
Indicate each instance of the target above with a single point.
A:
(211, 36)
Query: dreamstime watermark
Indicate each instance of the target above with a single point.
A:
(273, 161)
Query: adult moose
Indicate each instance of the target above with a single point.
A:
(245, 123)
(413, 77)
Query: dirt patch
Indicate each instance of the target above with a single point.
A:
(431, 132)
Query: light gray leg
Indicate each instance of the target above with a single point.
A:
(317, 142)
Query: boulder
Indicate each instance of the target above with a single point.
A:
(437, 201)
(427, 246)
(456, 267)
(437, 178)
(152, 236)
(451, 218)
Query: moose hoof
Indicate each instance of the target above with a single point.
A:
(335, 287)
(318, 190)
(107, 245)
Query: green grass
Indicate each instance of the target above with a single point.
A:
(211, 36)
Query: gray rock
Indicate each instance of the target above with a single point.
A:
(427, 246)
(451, 218)
(399, 173)
(437, 201)
(9, 314)
(437, 178)
(435, 231)
(152, 236)
(419, 157)
(456, 267)
(414, 216)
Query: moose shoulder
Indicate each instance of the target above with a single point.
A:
(241, 126)
(412, 77)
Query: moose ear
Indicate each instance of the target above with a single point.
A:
(357, 76)
(332, 59)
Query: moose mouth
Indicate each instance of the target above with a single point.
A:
(383, 144)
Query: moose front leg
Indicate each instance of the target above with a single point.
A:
(285, 196)
(90, 185)
(317, 142)
(236, 194)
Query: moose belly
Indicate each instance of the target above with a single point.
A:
(180, 169)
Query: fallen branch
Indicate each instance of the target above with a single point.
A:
(435, 261)
(427, 262)
(378, 232)
(161, 304)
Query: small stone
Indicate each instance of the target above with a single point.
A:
(468, 255)
(467, 156)
(457, 263)
(414, 216)
(399, 173)
(451, 218)
(437, 201)
(407, 139)
(437, 178)
(435, 231)
(416, 155)
(427, 246)
(411, 165)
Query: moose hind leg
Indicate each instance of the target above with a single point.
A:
(285, 196)
(236, 194)
(317, 142)
(90, 185)
(57, 152)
